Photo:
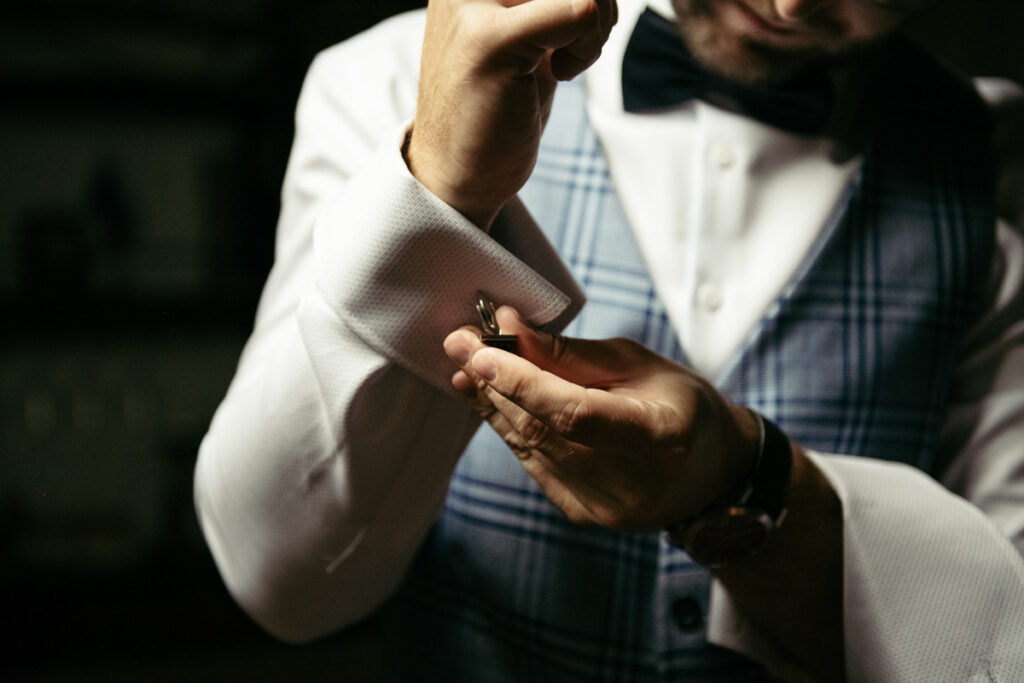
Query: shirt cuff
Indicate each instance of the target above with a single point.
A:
(402, 268)
(932, 591)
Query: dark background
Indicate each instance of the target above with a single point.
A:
(142, 146)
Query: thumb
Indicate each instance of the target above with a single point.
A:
(584, 362)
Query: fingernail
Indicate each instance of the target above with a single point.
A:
(484, 366)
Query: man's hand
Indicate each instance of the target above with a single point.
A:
(614, 434)
(487, 78)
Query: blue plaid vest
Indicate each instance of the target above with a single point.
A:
(854, 357)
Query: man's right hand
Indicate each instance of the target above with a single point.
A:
(487, 78)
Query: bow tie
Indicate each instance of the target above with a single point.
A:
(659, 72)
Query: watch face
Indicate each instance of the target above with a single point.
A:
(732, 534)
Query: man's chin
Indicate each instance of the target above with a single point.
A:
(751, 62)
(763, 60)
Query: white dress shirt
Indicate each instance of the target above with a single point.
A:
(329, 458)
(705, 190)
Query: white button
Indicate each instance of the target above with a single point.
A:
(709, 296)
(722, 155)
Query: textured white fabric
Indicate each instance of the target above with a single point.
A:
(412, 250)
(933, 592)
(329, 458)
(945, 603)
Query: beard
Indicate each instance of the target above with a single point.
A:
(749, 60)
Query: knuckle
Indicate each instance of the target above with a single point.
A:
(577, 516)
(559, 348)
(533, 433)
(517, 386)
(668, 427)
(572, 418)
(513, 440)
(486, 410)
(574, 514)
(585, 11)
(616, 520)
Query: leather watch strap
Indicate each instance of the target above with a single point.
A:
(740, 524)
(771, 475)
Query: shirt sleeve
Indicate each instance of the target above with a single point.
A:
(329, 458)
(933, 572)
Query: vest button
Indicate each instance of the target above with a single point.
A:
(687, 614)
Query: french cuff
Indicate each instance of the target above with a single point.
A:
(402, 268)
(932, 591)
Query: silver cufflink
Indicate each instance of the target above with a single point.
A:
(492, 335)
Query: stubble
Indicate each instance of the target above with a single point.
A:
(747, 59)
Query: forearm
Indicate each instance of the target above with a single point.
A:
(793, 590)
(315, 488)
(931, 589)
(331, 454)
(330, 457)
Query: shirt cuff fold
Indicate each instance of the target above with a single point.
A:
(402, 268)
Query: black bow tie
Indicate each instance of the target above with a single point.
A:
(659, 72)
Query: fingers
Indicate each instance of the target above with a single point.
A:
(588, 363)
(543, 410)
(538, 447)
(548, 412)
(565, 383)
(562, 469)
(575, 30)
(460, 346)
(568, 438)
(543, 406)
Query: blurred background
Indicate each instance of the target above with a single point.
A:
(142, 146)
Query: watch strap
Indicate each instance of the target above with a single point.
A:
(760, 498)
(770, 478)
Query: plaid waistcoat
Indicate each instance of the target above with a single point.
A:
(854, 357)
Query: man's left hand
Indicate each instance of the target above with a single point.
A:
(614, 434)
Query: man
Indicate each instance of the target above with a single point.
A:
(811, 226)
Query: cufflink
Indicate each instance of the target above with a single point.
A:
(492, 335)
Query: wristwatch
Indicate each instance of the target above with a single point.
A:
(740, 524)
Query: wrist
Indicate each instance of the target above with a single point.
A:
(481, 210)
(740, 524)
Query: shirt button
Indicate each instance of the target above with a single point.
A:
(687, 614)
(722, 155)
(710, 297)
